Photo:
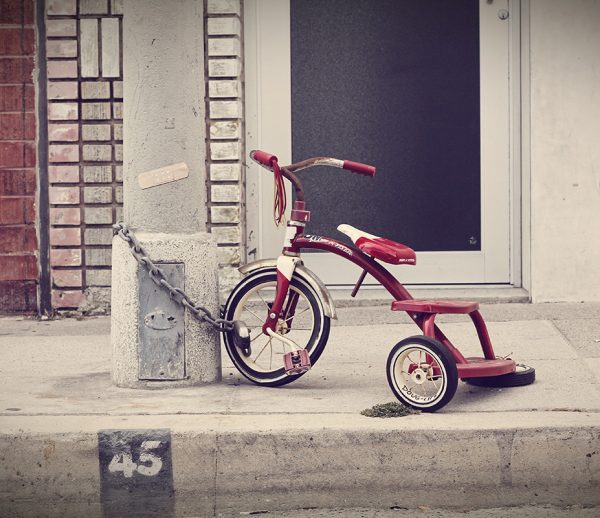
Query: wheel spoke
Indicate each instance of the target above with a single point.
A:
(417, 363)
(257, 336)
(261, 351)
(264, 301)
(297, 314)
(255, 315)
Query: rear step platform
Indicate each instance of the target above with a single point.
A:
(436, 306)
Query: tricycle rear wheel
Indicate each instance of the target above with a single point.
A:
(422, 373)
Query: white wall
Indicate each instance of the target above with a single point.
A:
(565, 150)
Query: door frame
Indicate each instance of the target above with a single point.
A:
(260, 70)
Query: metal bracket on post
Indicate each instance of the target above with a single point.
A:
(161, 326)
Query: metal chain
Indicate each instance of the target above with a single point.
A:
(159, 278)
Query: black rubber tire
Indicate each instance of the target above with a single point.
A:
(518, 378)
(315, 345)
(443, 357)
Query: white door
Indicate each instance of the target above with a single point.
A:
(454, 201)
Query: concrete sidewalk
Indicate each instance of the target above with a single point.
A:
(234, 447)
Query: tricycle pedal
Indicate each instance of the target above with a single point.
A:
(296, 362)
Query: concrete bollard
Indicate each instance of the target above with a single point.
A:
(155, 342)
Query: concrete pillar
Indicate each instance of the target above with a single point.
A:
(164, 123)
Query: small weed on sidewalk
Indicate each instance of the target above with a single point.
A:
(393, 409)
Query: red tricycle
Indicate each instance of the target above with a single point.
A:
(286, 309)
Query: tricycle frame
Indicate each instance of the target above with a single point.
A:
(296, 241)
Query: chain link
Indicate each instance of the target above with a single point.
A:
(158, 277)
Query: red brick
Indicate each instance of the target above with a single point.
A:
(63, 195)
(17, 42)
(63, 132)
(16, 70)
(18, 296)
(66, 278)
(65, 257)
(63, 153)
(17, 126)
(58, 7)
(65, 236)
(63, 111)
(16, 12)
(18, 239)
(15, 98)
(16, 182)
(65, 216)
(17, 154)
(62, 90)
(18, 267)
(63, 174)
(61, 48)
(16, 211)
(61, 27)
(66, 299)
(60, 69)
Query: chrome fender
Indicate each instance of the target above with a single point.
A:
(300, 270)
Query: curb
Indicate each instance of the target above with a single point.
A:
(220, 465)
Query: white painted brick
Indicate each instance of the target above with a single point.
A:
(93, 6)
(225, 129)
(229, 255)
(224, 47)
(118, 131)
(224, 214)
(223, 7)
(95, 90)
(97, 173)
(227, 26)
(97, 153)
(118, 110)
(225, 193)
(225, 150)
(98, 236)
(89, 47)
(117, 6)
(111, 54)
(224, 88)
(118, 89)
(224, 67)
(96, 131)
(227, 234)
(225, 172)
(98, 257)
(97, 277)
(226, 109)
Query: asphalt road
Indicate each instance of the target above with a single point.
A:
(425, 512)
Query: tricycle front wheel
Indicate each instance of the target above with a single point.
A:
(303, 320)
(422, 373)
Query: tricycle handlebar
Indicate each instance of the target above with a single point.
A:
(266, 159)
(270, 162)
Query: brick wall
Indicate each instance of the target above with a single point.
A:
(224, 92)
(18, 241)
(85, 133)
